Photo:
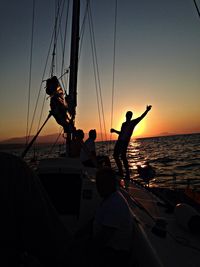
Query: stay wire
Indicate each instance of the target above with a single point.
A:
(30, 73)
(82, 28)
(41, 84)
(95, 73)
(98, 76)
(40, 89)
(53, 41)
(55, 37)
(197, 8)
(55, 143)
(64, 43)
(113, 74)
(58, 29)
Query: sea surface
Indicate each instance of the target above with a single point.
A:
(175, 159)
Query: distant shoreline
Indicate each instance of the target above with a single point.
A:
(167, 135)
(7, 144)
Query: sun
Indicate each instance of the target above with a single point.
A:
(139, 129)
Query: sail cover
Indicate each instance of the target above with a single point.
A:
(58, 103)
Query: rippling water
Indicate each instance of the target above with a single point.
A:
(171, 156)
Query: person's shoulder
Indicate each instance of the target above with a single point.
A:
(87, 141)
(124, 124)
(90, 143)
(135, 120)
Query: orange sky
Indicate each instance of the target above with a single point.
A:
(152, 66)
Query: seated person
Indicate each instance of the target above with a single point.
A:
(76, 144)
(88, 153)
(107, 237)
(112, 226)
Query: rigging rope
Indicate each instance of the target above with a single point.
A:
(95, 77)
(113, 76)
(96, 69)
(53, 41)
(55, 38)
(39, 91)
(30, 72)
(54, 144)
(58, 29)
(82, 28)
(43, 79)
(64, 43)
(197, 8)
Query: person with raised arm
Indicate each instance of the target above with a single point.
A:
(124, 136)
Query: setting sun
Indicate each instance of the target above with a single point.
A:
(139, 129)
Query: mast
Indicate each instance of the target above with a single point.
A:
(72, 97)
(64, 110)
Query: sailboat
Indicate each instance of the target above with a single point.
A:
(161, 237)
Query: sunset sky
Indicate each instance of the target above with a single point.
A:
(157, 62)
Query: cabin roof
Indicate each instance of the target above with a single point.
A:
(60, 165)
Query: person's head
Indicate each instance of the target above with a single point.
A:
(106, 182)
(79, 134)
(129, 115)
(92, 134)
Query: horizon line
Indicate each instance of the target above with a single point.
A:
(20, 140)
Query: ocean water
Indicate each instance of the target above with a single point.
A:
(175, 159)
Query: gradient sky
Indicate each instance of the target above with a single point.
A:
(157, 63)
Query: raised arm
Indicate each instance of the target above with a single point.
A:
(145, 113)
(114, 131)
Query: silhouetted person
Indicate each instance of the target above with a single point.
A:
(110, 231)
(112, 226)
(29, 223)
(88, 153)
(124, 137)
(76, 144)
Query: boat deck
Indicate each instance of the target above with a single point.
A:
(175, 245)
